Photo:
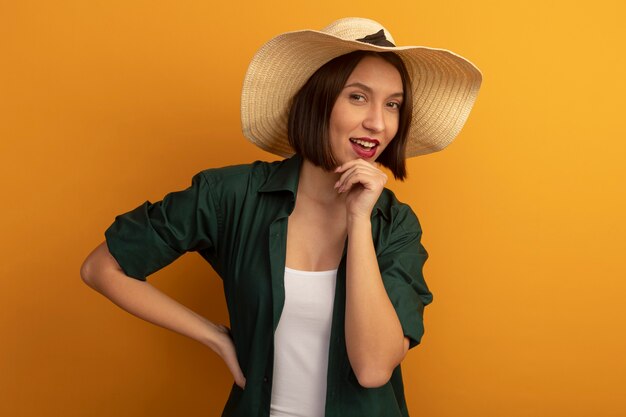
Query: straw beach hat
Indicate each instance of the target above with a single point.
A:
(444, 84)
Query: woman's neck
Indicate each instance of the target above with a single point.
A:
(319, 185)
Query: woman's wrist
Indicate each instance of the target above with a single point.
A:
(211, 337)
(357, 222)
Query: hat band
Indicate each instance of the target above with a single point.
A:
(377, 39)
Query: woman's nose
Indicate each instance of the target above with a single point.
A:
(374, 119)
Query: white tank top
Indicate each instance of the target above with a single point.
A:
(301, 344)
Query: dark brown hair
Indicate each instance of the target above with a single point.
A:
(309, 115)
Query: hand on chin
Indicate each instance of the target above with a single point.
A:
(363, 182)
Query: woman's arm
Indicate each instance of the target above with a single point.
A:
(102, 273)
(375, 340)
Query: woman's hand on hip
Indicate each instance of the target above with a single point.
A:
(363, 182)
(224, 346)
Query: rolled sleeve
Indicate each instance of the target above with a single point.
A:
(153, 235)
(401, 265)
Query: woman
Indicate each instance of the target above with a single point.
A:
(322, 266)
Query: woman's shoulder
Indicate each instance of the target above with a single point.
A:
(396, 212)
(237, 173)
(237, 181)
(253, 174)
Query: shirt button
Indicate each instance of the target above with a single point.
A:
(265, 379)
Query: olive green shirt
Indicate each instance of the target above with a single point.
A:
(236, 219)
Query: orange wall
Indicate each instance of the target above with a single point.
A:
(104, 105)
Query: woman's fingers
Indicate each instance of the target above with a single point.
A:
(363, 183)
(229, 356)
(365, 179)
(359, 172)
(348, 170)
(354, 177)
(354, 162)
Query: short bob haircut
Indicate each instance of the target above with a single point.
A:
(309, 115)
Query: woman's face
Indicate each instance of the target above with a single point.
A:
(366, 115)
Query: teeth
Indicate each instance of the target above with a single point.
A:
(364, 143)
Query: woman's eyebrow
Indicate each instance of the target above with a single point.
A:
(369, 90)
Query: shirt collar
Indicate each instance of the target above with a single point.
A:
(285, 177)
(287, 174)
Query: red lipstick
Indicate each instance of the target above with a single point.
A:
(364, 147)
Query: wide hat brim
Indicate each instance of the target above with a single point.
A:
(445, 85)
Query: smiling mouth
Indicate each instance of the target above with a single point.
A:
(365, 144)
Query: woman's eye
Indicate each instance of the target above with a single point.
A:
(357, 97)
(394, 105)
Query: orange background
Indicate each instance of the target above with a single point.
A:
(104, 105)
